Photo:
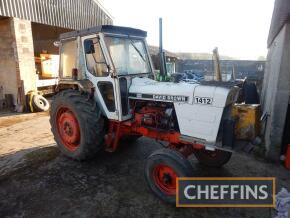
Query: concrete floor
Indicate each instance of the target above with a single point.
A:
(37, 181)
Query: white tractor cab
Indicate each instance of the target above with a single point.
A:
(107, 95)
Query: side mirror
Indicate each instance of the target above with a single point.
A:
(89, 46)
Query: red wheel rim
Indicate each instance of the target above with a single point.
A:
(165, 179)
(68, 129)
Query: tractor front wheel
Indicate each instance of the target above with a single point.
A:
(161, 170)
(77, 125)
(216, 158)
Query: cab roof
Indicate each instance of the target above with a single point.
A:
(105, 29)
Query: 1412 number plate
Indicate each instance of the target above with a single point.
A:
(202, 100)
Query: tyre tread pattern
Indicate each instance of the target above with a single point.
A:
(90, 120)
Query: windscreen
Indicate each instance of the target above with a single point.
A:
(129, 55)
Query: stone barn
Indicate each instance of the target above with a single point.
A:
(29, 28)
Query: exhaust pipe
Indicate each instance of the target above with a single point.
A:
(163, 70)
(217, 67)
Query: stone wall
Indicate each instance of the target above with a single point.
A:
(25, 54)
(8, 55)
(17, 71)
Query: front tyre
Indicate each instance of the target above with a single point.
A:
(76, 124)
(161, 170)
(216, 158)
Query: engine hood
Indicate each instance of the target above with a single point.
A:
(148, 89)
(198, 107)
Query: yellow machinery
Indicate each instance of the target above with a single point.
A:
(247, 116)
(47, 65)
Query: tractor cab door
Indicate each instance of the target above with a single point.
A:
(131, 59)
(99, 72)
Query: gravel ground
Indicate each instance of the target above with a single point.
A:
(40, 182)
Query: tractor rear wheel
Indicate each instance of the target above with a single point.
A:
(77, 125)
(161, 170)
(216, 158)
(130, 139)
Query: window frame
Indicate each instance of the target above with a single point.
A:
(61, 74)
(132, 37)
(103, 54)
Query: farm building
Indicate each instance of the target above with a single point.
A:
(28, 29)
(276, 85)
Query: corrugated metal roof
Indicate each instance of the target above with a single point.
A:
(72, 14)
(281, 15)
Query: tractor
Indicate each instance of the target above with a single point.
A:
(107, 93)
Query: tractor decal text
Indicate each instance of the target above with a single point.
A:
(202, 100)
(172, 98)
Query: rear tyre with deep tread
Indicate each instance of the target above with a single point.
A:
(77, 125)
(216, 158)
(130, 139)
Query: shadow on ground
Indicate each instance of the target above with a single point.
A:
(111, 185)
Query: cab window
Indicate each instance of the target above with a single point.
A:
(95, 60)
(129, 55)
(68, 57)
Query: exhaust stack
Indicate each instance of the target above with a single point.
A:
(163, 70)
(217, 67)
